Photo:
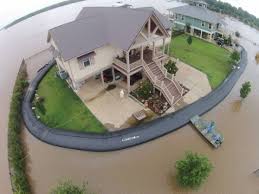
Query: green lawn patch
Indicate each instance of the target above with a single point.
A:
(211, 59)
(63, 108)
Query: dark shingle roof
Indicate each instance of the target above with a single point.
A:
(95, 27)
(198, 13)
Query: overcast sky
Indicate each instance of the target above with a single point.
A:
(13, 9)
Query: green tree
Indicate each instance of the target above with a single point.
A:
(245, 90)
(235, 56)
(189, 40)
(67, 187)
(237, 34)
(171, 67)
(193, 170)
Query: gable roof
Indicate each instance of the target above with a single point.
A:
(95, 27)
(198, 13)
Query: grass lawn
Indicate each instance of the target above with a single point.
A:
(213, 60)
(64, 109)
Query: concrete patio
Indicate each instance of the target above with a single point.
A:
(195, 80)
(108, 107)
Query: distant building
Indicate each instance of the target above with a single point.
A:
(202, 22)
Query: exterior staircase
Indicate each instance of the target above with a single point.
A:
(163, 81)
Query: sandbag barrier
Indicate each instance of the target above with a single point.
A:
(129, 137)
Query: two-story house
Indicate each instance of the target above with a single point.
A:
(197, 20)
(128, 40)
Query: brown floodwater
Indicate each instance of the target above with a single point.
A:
(148, 168)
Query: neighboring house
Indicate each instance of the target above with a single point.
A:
(201, 21)
(128, 40)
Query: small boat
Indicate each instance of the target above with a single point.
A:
(208, 130)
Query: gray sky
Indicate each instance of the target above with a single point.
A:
(13, 9)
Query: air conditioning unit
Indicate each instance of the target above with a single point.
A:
(63, 74)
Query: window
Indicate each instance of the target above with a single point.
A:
(210, 26)
(176, 16)
(182, 17)
(86, 63)
(202, 24)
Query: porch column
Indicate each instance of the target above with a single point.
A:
(113, 74)
(148, 28)
(102, 78)
(127, 61)
(192, 31)
(211, 37)
(201, 34)
(168, 49)
(163, 45)
(128, 83)
(153, 51)
(142, 53)
(59, 68)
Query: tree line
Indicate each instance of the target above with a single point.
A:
(228, 9)
(239, 13)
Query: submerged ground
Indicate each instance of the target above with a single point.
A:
(63, 108)
(213, 60)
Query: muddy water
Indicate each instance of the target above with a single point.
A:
(147, 168)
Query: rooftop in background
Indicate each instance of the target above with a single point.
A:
(95, 27)
(200, 13)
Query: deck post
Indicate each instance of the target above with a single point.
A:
(163, 46)
(142, 53)
(149, 26)
(102, 78)
(153, 51)
(113, 74)
(128, 83)
(127, 61)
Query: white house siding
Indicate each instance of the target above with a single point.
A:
(102, 60)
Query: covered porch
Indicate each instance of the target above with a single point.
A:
(132, 61)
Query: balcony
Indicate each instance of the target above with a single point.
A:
(135, 61)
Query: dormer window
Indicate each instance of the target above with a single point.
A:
(86, 60)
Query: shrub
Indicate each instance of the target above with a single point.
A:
(171, 67)
(145, 90)
(237, 34)
(16, 155)
(245, 90)
(67, 187)
(235, 56)
(189, 40)
(39, 104)
(193, 170)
